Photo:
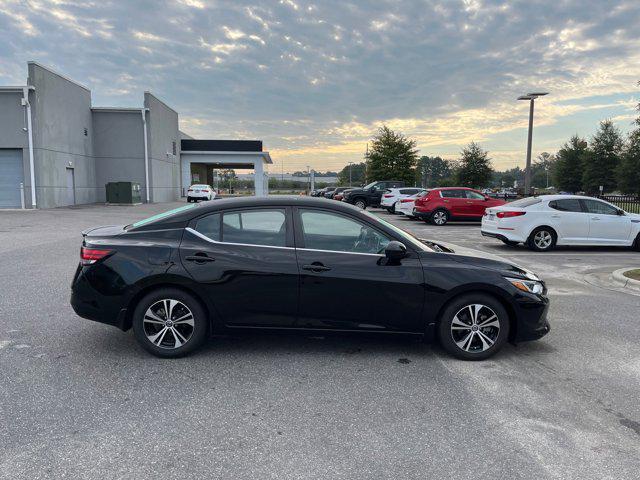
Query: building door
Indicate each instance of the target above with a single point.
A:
(11, 176)
(71, 187)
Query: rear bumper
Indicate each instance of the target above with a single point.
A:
(89, 303)
(501, 233)
(421, 215)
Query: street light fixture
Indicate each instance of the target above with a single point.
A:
(527, 173)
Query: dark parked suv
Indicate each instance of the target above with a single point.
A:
(291, 263)
(369, 195)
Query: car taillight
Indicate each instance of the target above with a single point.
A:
(89, 256)
(406, 200)
(509, 214)
(388, 196)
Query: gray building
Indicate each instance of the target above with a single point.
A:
(52, 137)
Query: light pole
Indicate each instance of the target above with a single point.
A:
(350, 163)
(527, 173)
(309, 176)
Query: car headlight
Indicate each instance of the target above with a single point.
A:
(529, 286)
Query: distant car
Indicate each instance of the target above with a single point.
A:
(453, 203)
(333, 193)
(200, 192)
(549, 220)
(392, 195)
(340, 196)
(369, 195)
(325, 191)
(405, 206)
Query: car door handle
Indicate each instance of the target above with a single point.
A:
(316, 267)
(555, 216)
(595, 218)
(200, 258)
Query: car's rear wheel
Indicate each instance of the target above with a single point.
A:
(636, 244)
(360, 203)
(542, 239)
(473, 327)
(439, 217)
(170, 323)
(392, 208)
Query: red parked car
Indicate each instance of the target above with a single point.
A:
(453, 203)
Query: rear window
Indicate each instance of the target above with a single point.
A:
(163, 215)
(453, 194)
(525, 202)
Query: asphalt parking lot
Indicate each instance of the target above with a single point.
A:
(82, 400)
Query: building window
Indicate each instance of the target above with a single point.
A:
(173, 148)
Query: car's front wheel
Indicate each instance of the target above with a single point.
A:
(169, 323)
(473, 327)
(542, 239)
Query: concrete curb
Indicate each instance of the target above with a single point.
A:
(620, 279)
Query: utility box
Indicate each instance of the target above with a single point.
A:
(123, 193)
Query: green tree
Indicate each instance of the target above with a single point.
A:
(392, 156)
(629, 169)
(600, 166)
(357, 174)
(542, 170)
(432, 171)
(474, 169)
(568, 167)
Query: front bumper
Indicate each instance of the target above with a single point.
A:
(531, 314)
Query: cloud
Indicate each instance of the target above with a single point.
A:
(314, 80)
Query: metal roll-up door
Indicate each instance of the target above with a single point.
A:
(11, 176)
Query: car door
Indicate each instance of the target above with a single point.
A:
(606, 226)
(346, 282)
(245, 262)
(475, 204)
(569, 219)
(455, 201)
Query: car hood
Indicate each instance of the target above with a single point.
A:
(480, 259)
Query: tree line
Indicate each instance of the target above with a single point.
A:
(608, 159)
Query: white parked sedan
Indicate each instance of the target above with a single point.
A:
(392, 195)
(549, 220)
(200, 192)
(405, 206)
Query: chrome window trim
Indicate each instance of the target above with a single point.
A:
(204, 237)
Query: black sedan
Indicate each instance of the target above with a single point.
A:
(295, 263)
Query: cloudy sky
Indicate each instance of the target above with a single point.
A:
(314, 79)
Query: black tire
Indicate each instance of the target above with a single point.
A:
(188, 199)
(193, 336)
(510, 243)
(361, 203)
(478, 347)
(392, 209)
(542, 239)
(439, 217)
(636, 244)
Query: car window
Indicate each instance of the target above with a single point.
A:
(330, 231)
(209, 226)
(594, 206)
(567, 205)
(473, 195)
(255, 227)
(526, 202)
(453, 194)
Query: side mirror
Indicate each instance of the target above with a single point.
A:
(395, 250)
(620, 211)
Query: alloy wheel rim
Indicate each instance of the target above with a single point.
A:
(543, 239)
(439, 217)
(168, 323)
(475, 328)
(360, 204)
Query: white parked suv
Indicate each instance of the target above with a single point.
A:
(549, 220)
(200, 192)
(405, 206)
(392, 195)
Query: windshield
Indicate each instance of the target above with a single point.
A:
(408, 237)
(525, 202)
(366, 187)
(162, 215)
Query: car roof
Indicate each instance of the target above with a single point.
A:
(452, 188)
